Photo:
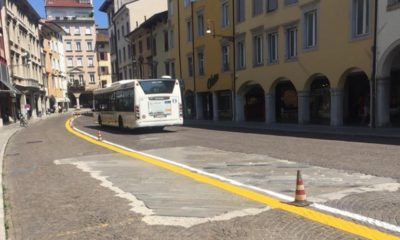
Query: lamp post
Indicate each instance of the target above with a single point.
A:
(231, 38)
(193, 60)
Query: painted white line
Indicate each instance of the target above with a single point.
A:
(283, 197)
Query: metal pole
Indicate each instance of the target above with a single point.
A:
(193, 60)
(234, 63)
(373, 101)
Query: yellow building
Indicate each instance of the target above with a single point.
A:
(297, 61)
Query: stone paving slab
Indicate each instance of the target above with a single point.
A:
(161, 196)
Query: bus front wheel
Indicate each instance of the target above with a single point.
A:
(120, 123)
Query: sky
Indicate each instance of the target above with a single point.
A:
(100, 17)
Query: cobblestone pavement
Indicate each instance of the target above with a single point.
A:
(64, 201)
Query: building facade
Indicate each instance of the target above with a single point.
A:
(76, 18)
(7, 91)
(149, 45)
(124, 17)
(23, 54)
(103, 57)
(54, 65)
(388, 64)
(276, 61)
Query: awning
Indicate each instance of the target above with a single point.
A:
(63, 99)
(10, 87)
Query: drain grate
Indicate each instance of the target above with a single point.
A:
(31, 142)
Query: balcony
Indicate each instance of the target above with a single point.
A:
(76, 86)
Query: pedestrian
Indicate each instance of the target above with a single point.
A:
(28, 110)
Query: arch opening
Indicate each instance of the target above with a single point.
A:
(254, 106)
(320, 101)
(356, 99)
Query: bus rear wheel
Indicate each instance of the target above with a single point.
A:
(120, 123)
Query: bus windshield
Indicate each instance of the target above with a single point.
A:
(157, 86)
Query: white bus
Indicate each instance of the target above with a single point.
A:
(139, 103)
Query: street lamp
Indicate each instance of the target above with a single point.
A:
(231, 38)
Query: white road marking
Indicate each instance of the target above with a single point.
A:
(283, 197)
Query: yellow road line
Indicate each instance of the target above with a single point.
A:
(328, 220)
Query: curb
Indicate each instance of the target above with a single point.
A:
(2, 213)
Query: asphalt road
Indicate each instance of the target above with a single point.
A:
(58, 186)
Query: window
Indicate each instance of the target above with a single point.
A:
(393, 2)
(170, 8)
(128, 28)
(79, 61)
(140, 47)
(361, 17)
(81, 79)
(224, 14)
(258, 50)
(77, 31)
(148, 43)
(171, 39)
(257, 7)
(189, 30)
(240, 14)
(70, 62)
(119, 55)
(71, 78)
(154, 46)
(310, 29)
(123, 31)
(78, 46)
(273, 47)
(186, 2)
(118, 35)
(90, 61)
(225, 58)
(173, 70)
(67, 29)
(134, 50)
(69, 46)
(241, 55)
(166, 65)
(190, 66)
(91, 76)
(124, 52)
(291, 43)
(200, 24)
(166, 44)
(272, 5)
(88, 30)
(89, 46)
(200, 57)
(289, 2)
(103, 56)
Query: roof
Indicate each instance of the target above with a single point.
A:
(158, 17)
(106, 4)
(67, 3)
(52, 26)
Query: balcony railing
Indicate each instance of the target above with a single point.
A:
(76, 86)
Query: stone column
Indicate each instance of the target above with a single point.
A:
(78, 105)
(239, 108)
(215, 106)
(304, 106)
(382, 102)
(22, 103)
(336, 107)
(33, 106)
(199, 106)
(270, 116)
(39, 104)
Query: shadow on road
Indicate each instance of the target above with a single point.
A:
(127, 131)
(321, 136)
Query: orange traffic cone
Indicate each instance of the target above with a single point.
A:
(300, 197)
(99, 137)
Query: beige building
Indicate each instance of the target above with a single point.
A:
(54, 65)
(124, 17)
(279, 61)
(76, 17)
(23, 53)
(103, 56)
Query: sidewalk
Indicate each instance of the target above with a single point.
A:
(6, 132)
(344, 131)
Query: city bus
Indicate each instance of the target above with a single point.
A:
(139, 103)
